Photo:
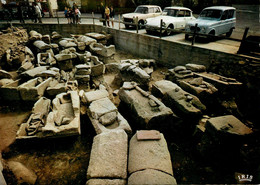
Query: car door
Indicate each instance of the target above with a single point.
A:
(157, 11)
(223, 23)
(231, 19)
(181, 19)
(188, 16)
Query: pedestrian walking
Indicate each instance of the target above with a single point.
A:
(71, 16)
(112, 15)
(73, 12)
(20, 13)
(102, 11)
(38, 13)
(107, 13)
(77, 14)
(66, 14)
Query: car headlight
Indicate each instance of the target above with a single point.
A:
(163, 24)
(145, 22)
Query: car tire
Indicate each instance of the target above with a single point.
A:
(149, 32)
(186, 36)
(140, 24)
(168, 32)
(228, 34)
(127, 26)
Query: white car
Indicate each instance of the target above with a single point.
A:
(172, 17)
(142, 12)
(215, 20)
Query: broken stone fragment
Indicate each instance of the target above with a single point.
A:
(108, 118)
(67, 43)
(196, 67)
(26, 66)
(112, 68)
(100, 49)
(5, 82)
(62, 57)
(151, 177)
(41, 45)
(148, 135)
(228, 125)
(96, 36)
(22, 174)
(87, 40)
(46, 39)
(94, 95)
(149, 154)
(34, 35)
(56, 35)
(100, 107)
(5, 74)
(108, 158)
(82, 78)
(177, 69)
(32, 73)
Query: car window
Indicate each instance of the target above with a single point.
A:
(157, 10)
(181, 13)
(170, 12)
(151, 10)
(231, 14)
(224, 15)
(187, 13)
(143, 10)
(210, 14)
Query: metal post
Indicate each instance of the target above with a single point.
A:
(93, 18)
(136, 23)
(194, 34)
(57, 16)
(119, 22)
(161, 28)
(241, 48)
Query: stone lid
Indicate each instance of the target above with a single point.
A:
(148, 135)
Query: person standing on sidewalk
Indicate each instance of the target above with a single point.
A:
(112, 15)
(102, 9)
(20, 12)
(107, 13)
(38, 12)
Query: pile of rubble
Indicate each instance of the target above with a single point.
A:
(62, 75)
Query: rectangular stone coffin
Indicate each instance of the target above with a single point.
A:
(147, 111)
(65, 128)
(33, 89)
(149, 154)
(108, 158)
(10, 91)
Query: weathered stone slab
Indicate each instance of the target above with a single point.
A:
(41, 45)
(4, 82)
(25, 66)
(62, 57)
(179, 100)
(94, 95)
(149, 154)
(151, 177)
(106, 182)
(87, 40)
(196, 67)
(112, 67)
(34, 35)
(23, 174)
(108, 158)
(228, 125)
(138, 102)
(56, 88)
(33, 89)
(148, 135)
(101, 107)
(32, 73)
(67, 43)
(82, 78)
(5, 74)
(96, 36)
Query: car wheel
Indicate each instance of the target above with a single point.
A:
(186, 36)
(168, 31)
(211, 36)
(228, 34)
(149, 32)
(126, 26)
(140, 24)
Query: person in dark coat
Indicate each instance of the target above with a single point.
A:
(20, 13)
(102, 9)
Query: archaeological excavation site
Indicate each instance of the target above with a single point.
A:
(97, 106)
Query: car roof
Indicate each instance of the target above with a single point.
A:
(177, 7)
(148, 6)
(220, 8)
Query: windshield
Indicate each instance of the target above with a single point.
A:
(210, 14)
(170, 12)
(143, 10)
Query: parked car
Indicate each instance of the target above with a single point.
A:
(142, 12)
(215, 20)
(172, 17)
